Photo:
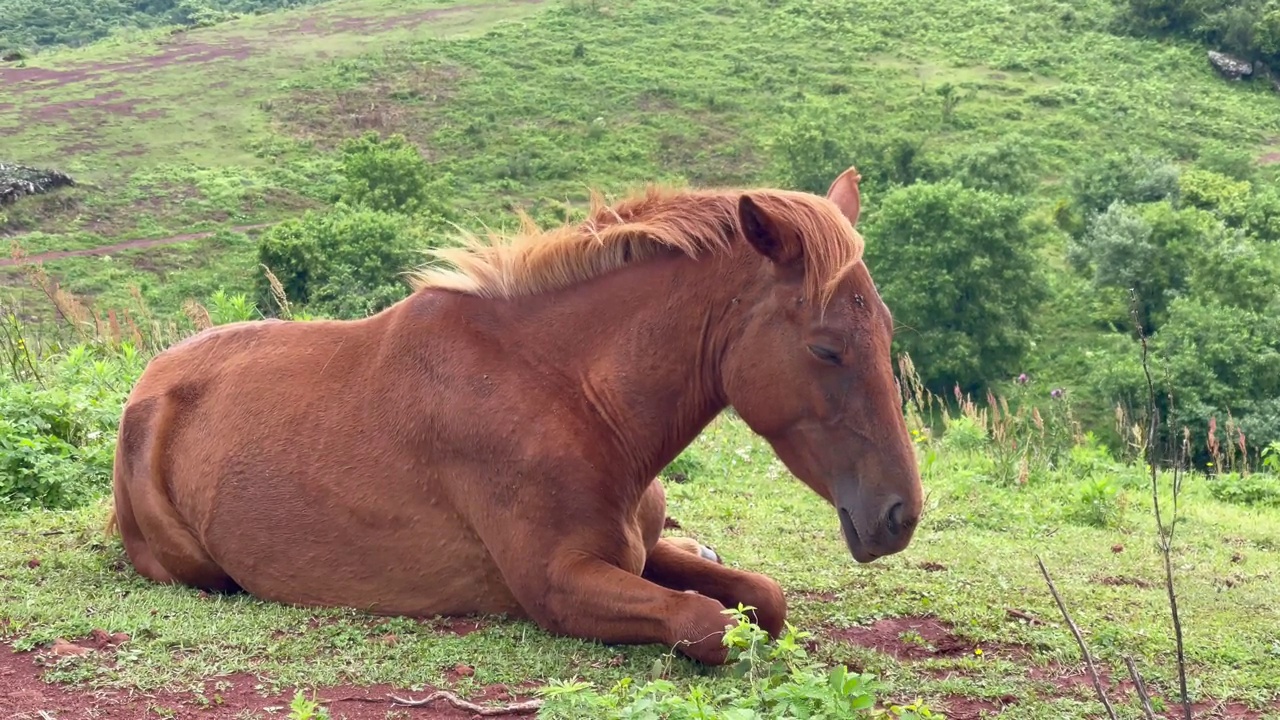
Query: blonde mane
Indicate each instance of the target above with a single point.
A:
(640, 227)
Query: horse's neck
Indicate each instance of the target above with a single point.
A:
(644, 346)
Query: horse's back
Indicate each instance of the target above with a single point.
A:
(289, 451)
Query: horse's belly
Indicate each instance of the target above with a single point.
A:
(374, 549)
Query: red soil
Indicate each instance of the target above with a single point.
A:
(182, 51)
(892, 636)
(20, 80)
(25, 696)
(322, 25)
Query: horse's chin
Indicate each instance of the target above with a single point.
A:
(852, 539)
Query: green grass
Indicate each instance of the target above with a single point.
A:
(741, 501)
(529, 104)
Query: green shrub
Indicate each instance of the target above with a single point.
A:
(344, 263)
(224, 308)
(1101, 502)
(964, 434)
(389, 175)
(1253, 489)
(57, 434)
(1007, 166)
(1207, 190)
(1131, 177)
(958, 268)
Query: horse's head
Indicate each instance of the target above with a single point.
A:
(812, 373)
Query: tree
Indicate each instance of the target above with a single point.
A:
(1005, 166)
(1222, 359)
(957, 268)
(1131, 177)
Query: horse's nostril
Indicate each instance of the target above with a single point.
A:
(894, 518)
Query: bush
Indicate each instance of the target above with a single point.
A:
(958, 269)
(57, 434)
(1229, 199)
(1132, 177)
(1221, 359)
(820, 141)
(1255, 489)
(343, 263)
(1249, 29)
(388, 175)
(1007, 166)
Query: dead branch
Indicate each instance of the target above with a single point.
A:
(1140, 687)
(523, 708)
(1024, 615)
(1084, 650)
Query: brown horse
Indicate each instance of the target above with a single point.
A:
(489, 445)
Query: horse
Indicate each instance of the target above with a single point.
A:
(492, 443)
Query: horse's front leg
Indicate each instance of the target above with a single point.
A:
(579, 594)
(684, 564)
(675, 567)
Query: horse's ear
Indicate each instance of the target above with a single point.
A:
(765, 234)
(844, 193)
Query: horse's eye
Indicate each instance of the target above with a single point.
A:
(826, 355)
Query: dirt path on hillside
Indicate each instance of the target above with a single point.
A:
(127, 245)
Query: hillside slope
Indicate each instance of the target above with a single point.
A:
(529, 104)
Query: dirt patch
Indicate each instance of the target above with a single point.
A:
(321, 25)
(959, 707)
(26, 696)
(916, 638)
(29, 79)
(398, 101)
(920, 638)
(461, 627)
(107, 103)
(1269, 159)
(1117, 581)
(1076, 682)
(128, 245)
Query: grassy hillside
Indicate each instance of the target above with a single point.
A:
(190, 147)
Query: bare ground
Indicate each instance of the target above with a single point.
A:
(116, 247)
(27, 696)
(920, 638)
(24, 695)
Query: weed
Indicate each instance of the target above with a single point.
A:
(780, 682)
(300, 708)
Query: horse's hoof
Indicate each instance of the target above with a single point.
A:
(709, 554)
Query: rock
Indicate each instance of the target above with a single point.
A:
(1232, 68)
(19, 180)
